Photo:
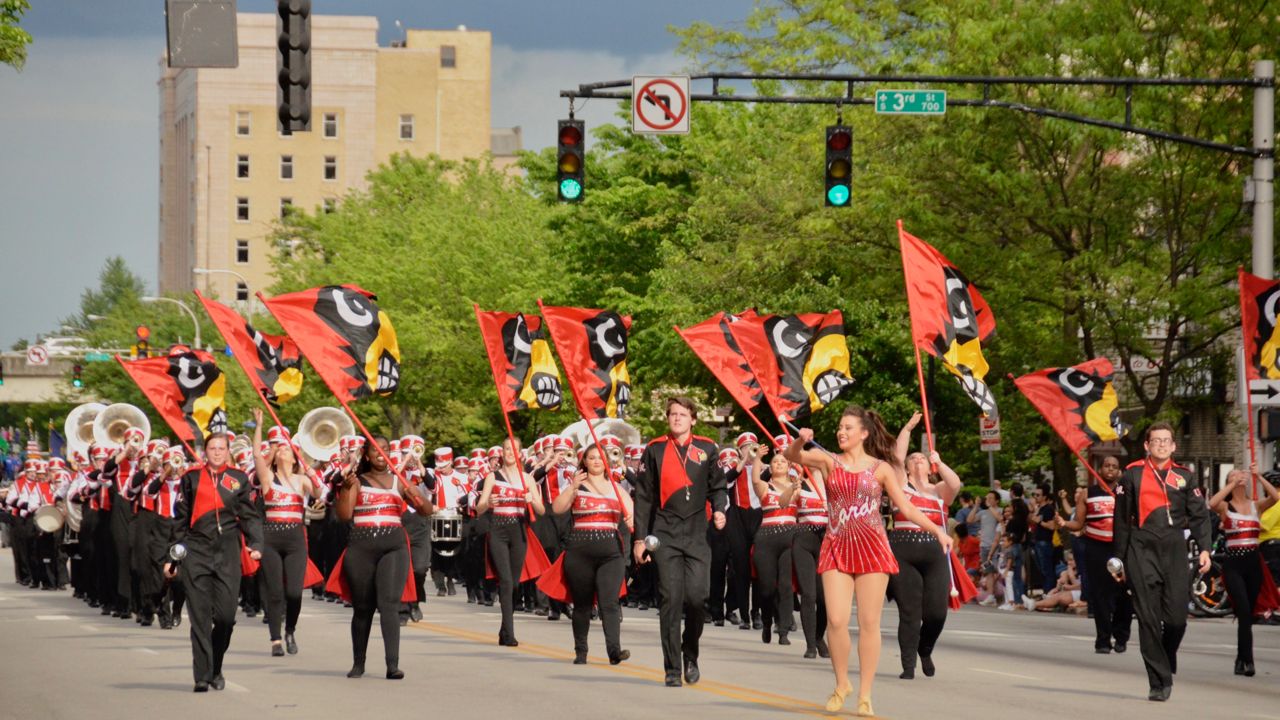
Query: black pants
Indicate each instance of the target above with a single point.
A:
(813, 607)
(419, 529)
(284, 566)
(593, 569)
(507, 546)
(1243, 573)
(683, 576)
(740, 531)
(920, 589)
(773, 575)
(1157, 570)
(210, 577)
(376, 568)
(1112, 608)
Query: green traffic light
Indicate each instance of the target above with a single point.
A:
(570, 189)
(838, 195)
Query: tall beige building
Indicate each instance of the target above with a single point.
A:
(227, 174)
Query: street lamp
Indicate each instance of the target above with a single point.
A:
(243, 279)
(179, 303)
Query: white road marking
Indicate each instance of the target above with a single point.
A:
(148, 651)
(1005, 674)
(53, 617)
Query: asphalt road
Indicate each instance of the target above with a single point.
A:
(60, 659)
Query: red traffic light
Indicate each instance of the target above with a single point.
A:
(570, 135)
(143, 332)
(839, 140)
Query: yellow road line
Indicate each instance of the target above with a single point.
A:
(733, 692)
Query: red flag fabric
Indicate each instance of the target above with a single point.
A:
(524, 369)
(1079, 402)
(593, 348)
(714, 344)
(949, 318)
(348, 340)
(800, 361)
(271, 361)
(1258, 300)
(186, 388)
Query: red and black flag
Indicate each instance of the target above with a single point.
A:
(523, 368)
(1079, 402)
(949, 318)
(272, 362)
(593, 349)
(1258, 308)
(800, 361)
(714, 344)
(186, 388)
(347, 339)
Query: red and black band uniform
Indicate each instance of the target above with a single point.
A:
(215, 509)
(1153, 507)
(773, 564)
(679, 520)
(594, 567)
(812, 519)
(1111, 606)
(923, 582)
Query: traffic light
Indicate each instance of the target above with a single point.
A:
(293, 65)
(839, 165)
(76, 380)
(570, 152)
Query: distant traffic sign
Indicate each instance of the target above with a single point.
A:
(911, 102)
(37, 355)
(1264, 392)
(660, 105)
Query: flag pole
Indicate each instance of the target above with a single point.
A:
(1244, 377)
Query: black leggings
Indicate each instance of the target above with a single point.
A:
(813, 608)
(376, 568)
(284, 565)
(1243, 573)
(507, 546)
(921, 589)
(593, 570)
(773, 575)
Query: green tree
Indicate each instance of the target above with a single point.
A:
(13, 39)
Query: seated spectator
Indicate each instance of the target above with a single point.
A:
(1065, 595)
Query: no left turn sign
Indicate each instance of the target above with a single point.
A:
(660, 104)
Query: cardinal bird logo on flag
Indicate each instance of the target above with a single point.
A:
(186, 388)
(272, 362)
(348, 340)
(949, 318)
(713, 342)
(520, 358)
(800, 361)
(1079, 402)
(1258, 300)
(593, 346)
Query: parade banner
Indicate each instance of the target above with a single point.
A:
(1078, 402)
(186, 388)
(593, 349)
(348, 340)
(272, 362)
(949, 318)
(524, 370)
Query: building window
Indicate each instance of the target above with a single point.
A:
(330, 167)
(242, 292)
(330, 204)
(331, 125)
(242, 167)
(242, 123)
(286, 167)
(406, 127)
(448, 56)
(286, 206)
(242, 209)
(242, 251)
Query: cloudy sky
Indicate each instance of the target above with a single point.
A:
(79, 173)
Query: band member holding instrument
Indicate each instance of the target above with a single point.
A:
(594, 564)
(506, 498)
(373, 573)
(214, 509)
(680, 477)
(855, 557)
